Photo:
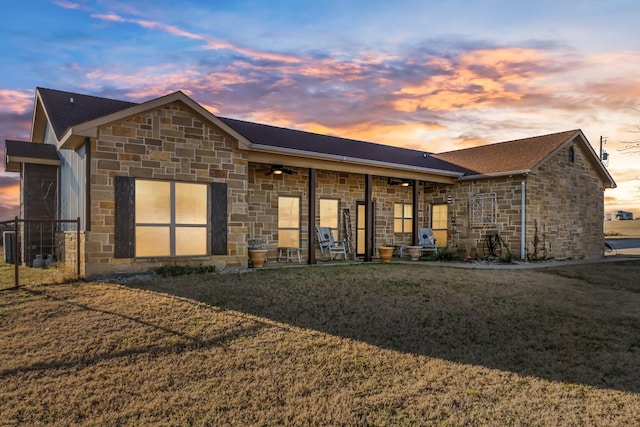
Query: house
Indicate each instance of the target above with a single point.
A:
(167, 181)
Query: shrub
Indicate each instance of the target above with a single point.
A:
(446, 254)
(180, 270)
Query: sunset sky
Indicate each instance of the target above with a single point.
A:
(429, 75)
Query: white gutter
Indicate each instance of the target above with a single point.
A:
(523, 240)
(354, 160)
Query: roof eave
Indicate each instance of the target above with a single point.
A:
(12, 163)
(495, 174)
(352, 160)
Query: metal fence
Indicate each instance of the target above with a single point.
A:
(40, 251)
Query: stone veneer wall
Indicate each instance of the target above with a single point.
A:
(564, 200)
(264, 191)
(170, 143)
(67, 251)
(462, 236)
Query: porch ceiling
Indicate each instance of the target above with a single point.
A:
(355, 166)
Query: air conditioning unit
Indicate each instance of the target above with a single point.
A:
(9, 242)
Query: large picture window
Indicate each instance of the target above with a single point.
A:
(288, 222)
(402, 217)
(170, 219)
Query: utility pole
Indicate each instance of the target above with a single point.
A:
(604, 156)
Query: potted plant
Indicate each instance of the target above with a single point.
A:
(257, 253)
(414, 252)
(385, 253)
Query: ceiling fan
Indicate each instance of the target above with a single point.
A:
(279, 170)
(401, 182)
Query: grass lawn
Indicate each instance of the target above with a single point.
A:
(399, 344)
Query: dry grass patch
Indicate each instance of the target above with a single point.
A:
(354, 345)
(54, 273)
(622, 229)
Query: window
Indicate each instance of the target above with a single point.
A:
(170, 219)
(572, 155)
(402, 218)
(483, 209)
(329, 214)
(288, 222)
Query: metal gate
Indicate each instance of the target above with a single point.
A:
(38, 251)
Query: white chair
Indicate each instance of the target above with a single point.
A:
(427, 240)
(328, 244)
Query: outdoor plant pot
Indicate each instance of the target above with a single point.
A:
(385, 253)
(414, 252)
(257, 257)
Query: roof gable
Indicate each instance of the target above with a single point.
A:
(66, 109)
(507, 157)
(75, 135)
(521, 156)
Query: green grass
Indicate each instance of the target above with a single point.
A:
(328, 345)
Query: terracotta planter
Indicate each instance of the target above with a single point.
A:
(385, 253)
(414, 252)
(257, 257)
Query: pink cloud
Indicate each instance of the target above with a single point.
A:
(16, 101)
(210, 42)
(69, 5)
(110, 17)
(168, 28)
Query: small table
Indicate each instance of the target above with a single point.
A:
(397, 250)
(287, 254)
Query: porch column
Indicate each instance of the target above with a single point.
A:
(311, 234)
(416, 197)
(368, 218)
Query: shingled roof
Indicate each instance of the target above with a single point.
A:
(17, 152)
(66, 109)
(510, 156)
(325, 144)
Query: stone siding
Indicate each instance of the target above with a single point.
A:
(462, 235)
(67, 246)
(564, 202)
(170, 143)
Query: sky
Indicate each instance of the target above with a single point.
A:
(422, 74)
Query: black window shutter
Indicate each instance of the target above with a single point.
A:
(218, 218)
(125, 189)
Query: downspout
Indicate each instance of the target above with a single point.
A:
(523, 222)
